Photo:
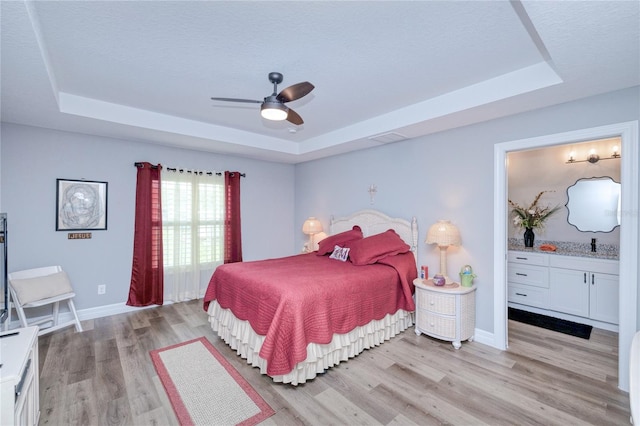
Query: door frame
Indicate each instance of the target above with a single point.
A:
(628, 132)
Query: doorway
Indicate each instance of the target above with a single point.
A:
(628, 132)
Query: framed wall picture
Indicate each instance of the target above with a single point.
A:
(81, 205)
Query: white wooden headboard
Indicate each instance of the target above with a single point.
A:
(374, 222)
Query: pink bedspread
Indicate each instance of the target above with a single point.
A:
(297, 300)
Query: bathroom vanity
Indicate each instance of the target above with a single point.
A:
(578, 281)
(573, 285)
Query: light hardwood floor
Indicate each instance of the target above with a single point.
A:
(104, 376)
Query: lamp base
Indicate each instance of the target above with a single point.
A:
(443, 264)
(308, 247)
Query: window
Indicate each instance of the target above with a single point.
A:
(192, 219)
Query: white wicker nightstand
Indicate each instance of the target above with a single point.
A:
(447, 312)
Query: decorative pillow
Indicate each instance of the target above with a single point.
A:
(328, 244)
(340, 253)
(33, 289)
(375, 247)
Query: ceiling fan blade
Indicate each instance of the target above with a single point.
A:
(294, 92)
(251, 101)
(293, 117)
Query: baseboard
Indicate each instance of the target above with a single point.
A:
(91, 313)
(109, 310)
(486, 338)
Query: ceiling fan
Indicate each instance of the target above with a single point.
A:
(273, 106)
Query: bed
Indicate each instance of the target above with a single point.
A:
(297, 316)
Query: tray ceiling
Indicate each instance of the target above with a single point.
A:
(384, 71)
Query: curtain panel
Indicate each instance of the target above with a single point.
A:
(232, 231)
(187, 262)
(147, 271)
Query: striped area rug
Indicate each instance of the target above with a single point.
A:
(204, 388)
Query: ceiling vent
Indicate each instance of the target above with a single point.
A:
(388, 137)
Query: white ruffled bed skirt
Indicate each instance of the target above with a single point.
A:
(239, 335)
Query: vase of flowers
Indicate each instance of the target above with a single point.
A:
(531, 217)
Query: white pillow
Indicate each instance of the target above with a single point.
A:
(33, 289)
(340, 253)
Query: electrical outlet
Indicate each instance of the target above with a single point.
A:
(102, 289)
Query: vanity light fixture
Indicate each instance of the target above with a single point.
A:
(593, 157)
(615, 154)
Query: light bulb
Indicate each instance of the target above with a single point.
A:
(274, 114)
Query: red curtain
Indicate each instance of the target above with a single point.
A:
(232, 234)
(147, 272)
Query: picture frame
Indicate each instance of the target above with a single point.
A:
(81, 205)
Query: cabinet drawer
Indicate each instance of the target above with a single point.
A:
(539, 259)
(602, 266)
(436, 302)
(530, 275)
(436, 325)
(531, 296)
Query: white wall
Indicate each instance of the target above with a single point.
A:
(32, 160)
(448, 175)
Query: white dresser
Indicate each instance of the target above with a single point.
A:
(19, 383)
(445, 312)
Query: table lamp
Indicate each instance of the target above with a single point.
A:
(311, 227)
(444, 234)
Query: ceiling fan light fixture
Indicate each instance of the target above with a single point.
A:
(274, 111)
(273, 106)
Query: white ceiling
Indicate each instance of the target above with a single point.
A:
(383, 70)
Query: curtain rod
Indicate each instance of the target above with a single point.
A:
(138, 164)
(207, 173)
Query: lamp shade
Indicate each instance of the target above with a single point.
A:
(443, 233)
(311, 226)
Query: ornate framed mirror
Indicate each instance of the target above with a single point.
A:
(594, 204)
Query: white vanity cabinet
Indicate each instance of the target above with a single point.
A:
(576, 286)
(528, 277)
(584, 287)
(569, 291)
(604, 298)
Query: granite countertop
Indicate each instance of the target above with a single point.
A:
(564, 248)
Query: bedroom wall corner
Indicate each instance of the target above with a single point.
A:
(33, 158)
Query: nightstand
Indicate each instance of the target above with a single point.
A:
(445, 312)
